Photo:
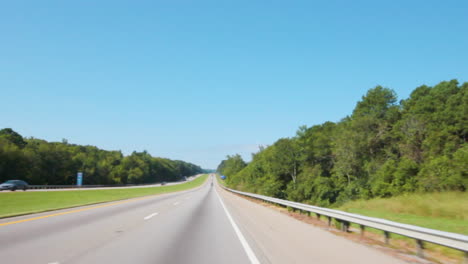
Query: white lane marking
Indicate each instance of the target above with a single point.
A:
(149, 216)
(250, 254)
(176, 203)
(54, 263)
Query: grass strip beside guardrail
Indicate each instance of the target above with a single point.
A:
(446, 211)
(21, 203)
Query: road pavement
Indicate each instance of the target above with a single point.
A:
(204, 225)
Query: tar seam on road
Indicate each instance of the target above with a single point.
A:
(250, 254)
(149, 216)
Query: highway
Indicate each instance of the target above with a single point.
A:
(203, 225)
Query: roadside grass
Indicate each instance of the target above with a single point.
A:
(21, 203)
(446, 211)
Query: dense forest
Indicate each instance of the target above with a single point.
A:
(40, 162)
(384, 148)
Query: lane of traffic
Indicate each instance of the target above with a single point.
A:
(190, 233)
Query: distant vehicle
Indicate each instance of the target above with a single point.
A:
(14, 185)
(223, 177)
(163, 183)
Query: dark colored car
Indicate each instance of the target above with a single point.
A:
(163, 183)
(14, 185)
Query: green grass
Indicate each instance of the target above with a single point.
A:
(446, 211)
(20, 203)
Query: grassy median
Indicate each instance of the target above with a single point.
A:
(20, 203)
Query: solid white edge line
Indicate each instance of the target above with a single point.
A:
(149, 216)
(250, 254)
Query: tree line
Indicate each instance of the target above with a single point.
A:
(384, 148)
(55, 163)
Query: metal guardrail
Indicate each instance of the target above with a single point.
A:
(82, 186)
(189, 178)
(420, 234)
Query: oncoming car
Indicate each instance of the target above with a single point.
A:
(14, 185)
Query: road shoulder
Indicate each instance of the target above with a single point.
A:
(278, 238)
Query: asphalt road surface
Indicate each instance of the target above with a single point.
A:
(203, 225)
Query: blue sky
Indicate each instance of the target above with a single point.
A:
(198, 80)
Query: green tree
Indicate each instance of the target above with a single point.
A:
(383, 149)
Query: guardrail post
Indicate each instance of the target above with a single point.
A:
(318, 216)
(465, 258)
(363, 229)
(329, 220)
(387, 237)
(346, 226)
(420, 248)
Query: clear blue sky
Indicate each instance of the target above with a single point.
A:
(198, 80)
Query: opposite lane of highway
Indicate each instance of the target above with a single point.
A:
(191, 178)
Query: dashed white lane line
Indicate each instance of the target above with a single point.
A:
(176, 203)
(248, 250)
(150, 216)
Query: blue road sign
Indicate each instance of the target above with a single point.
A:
(79, 179)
